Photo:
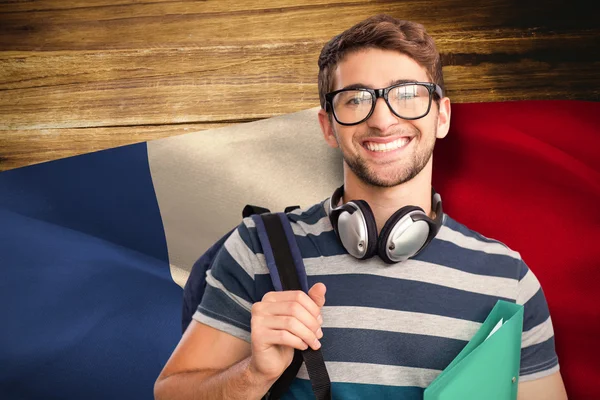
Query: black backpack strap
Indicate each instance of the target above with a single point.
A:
(251, 210)
(287, 273)
(290, 209)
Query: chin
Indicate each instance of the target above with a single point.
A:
(384, 180)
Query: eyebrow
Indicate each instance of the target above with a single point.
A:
(364, 86)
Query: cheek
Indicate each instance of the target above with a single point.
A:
(345, 135)
(426, 128)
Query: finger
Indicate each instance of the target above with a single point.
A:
(317, 294)
(282, 338)
(292, 309)
(293, 295)
(294, 326)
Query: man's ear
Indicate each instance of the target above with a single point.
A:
(443, 118)
(327, 128)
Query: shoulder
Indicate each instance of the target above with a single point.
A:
(462, 235)
(304, 221)
(478, 253)
(313, 231)
(309, 215)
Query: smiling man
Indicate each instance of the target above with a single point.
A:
(407, 286)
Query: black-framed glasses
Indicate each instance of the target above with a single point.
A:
(411, 100)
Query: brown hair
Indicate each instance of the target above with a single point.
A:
(380, 32)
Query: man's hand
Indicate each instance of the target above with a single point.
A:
(282, 322)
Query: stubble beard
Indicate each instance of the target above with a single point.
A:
(418, 160)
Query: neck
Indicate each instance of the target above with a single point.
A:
(386, 201)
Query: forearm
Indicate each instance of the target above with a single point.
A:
(238, 382)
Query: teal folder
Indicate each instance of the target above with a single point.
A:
(488, 367)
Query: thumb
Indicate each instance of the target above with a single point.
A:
(317, 294)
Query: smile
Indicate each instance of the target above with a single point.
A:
(384, 147)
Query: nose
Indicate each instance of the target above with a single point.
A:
(382, 117)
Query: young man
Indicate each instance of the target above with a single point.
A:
(388, 328)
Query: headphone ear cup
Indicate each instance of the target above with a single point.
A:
(399, 219)
(371, 240)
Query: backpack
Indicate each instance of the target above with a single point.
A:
(287, 272)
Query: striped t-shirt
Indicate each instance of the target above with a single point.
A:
(388, 330)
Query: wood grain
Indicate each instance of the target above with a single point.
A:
(40, 145)
(79, 76)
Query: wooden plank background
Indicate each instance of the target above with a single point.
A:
(83, 75)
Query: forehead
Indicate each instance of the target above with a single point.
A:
(376, 68)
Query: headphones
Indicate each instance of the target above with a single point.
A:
(408, 231)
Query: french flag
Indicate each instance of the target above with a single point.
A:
(95, 249)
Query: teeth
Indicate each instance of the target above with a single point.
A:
(396, 144)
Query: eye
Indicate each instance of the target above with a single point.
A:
(354, 98)
(356, 101)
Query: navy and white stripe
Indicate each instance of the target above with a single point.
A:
(389, 330)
